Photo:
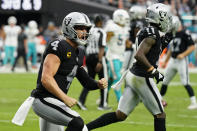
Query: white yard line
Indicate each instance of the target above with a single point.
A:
(187, 116)
(178, 83)
(128, 122)
(5, 100)
(191, 70)
(167, 125)
(29, 114)
(5, 121)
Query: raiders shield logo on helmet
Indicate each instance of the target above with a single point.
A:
(67, 21)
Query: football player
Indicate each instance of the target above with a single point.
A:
(11, 34)
(62, 61)
(117, 40)
(31, 33)
(137, 21)
(140, 80)
(180, 47)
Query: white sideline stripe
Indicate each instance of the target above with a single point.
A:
(191, 70)
(29, 114)
(168, 125)
(5, 100)
(9, 121)
(131, 122)
(5, 121)
(176, 83)
(186, 116)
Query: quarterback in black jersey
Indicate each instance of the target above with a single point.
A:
(140, 85)
(180, 47)
(62, 61)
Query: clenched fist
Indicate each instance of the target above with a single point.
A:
(70, 102)
(102, 83)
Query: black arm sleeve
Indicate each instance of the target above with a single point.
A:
(85, 80)
(188, 39)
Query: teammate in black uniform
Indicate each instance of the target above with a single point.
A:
(62, 61)
(180, 47)
(139, 81)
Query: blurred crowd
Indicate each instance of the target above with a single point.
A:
(186, 10)
(37, 36)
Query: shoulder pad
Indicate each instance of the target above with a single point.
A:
(149, 32)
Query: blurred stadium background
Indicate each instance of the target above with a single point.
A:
(49, 14)
(16, 87)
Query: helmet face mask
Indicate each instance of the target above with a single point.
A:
(160, 15)
(121, 17)
(74, 21)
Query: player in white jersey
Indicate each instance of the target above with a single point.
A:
(11, 35)
(31, 33)
(117, 37)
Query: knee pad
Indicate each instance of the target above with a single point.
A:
(76, 123)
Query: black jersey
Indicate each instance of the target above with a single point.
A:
(70, 66)
(180, 43)
(153, 55)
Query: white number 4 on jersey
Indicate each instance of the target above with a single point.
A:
(55, 45)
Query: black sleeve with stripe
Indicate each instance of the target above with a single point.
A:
(85, 80)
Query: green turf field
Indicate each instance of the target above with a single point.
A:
(15, 88)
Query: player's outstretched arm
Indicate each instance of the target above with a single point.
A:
(102, 83)
(88, 82)
(50, 67)
(187, 52)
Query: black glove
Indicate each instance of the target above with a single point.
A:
(157, 75)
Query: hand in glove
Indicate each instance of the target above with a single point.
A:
(157, 75)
